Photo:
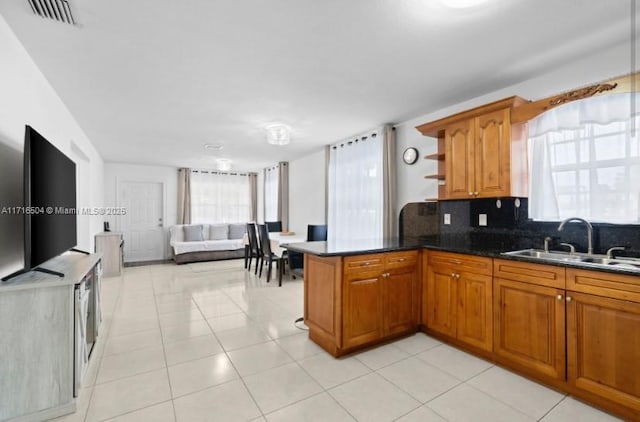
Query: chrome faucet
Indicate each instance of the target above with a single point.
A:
(589, 231)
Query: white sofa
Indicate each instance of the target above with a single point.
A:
(206, 242)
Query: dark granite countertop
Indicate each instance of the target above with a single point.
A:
(342, 247)
(471, 244)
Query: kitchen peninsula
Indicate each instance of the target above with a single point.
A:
(360, 292)
(565, 323)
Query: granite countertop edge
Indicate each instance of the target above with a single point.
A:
(414, 244)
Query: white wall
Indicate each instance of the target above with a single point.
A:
(115, 173)
(307, 181)
(27, 98)
(412, 187)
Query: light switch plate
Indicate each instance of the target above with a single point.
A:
(482, 219)
(447, 219)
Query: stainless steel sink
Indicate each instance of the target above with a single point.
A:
(544, 255)
(593, 260)
(619, 262)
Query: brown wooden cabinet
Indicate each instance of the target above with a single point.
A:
(529, 317)
(458, 298)
(459, 144)
(362, 307)
(478, 157)
(572, 325)
(603, 336)
(365, 298)
(485, 155)
(400, 302)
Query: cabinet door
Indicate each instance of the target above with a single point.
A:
(529, 325)
(399, 301)
(459, 159)
(492, 154)
(362, 309)
(474, 316)
(603, 347)
(441, 300)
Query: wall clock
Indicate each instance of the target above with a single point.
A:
(410, 155)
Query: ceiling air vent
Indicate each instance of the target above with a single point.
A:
(58, 10)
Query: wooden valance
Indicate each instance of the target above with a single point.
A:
(623, 84)
(523, 110)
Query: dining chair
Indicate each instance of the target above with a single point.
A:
(254, 250)
(316, 232)
(268, 255)
(296, 259)
(274, 226)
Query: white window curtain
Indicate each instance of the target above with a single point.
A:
(218, 197)
(356, 188)
(585, 161)
(271, 183)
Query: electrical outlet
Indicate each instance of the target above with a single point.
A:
(447, 219)
(482, 219)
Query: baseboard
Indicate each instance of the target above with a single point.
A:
(153, 262)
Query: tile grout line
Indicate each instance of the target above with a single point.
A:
(106, 338)
(164, 353)
(553, 407)
(255, 402)
(142, 408)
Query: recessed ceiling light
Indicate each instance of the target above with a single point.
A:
(462, 4)
(224, 164)
(278, 134)
(213, 147)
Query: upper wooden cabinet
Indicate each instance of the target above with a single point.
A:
(485, 154)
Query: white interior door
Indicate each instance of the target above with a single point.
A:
(142, 225)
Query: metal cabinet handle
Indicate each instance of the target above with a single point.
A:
(475, 193)
(559, 297)
(569, 299)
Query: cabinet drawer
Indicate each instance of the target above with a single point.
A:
(363, 263)
(543, 275)
(618, 286)
(460, 262)
(406, 259)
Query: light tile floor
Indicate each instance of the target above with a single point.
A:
(212, 342)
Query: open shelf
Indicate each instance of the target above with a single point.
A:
(434, 176)
(436, 156)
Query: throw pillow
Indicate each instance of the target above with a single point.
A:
(237, 231)
(219, 232)
(193, 233)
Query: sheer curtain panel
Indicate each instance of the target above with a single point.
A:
(218, 197)
(271, 181)
(356, 202)
(283, 195)
(184, 196)
(585, 161)
(253, 188)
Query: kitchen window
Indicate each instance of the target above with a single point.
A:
(585, 161)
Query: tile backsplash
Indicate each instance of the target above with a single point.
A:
(509, 227)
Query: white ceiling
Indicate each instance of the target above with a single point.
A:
(151, 81)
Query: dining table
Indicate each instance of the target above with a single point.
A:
(280, 240)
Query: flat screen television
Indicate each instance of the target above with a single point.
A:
(49, 200)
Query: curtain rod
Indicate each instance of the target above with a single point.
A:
(360, 138)
(223, 172)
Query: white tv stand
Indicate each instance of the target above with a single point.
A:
(38, 338)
